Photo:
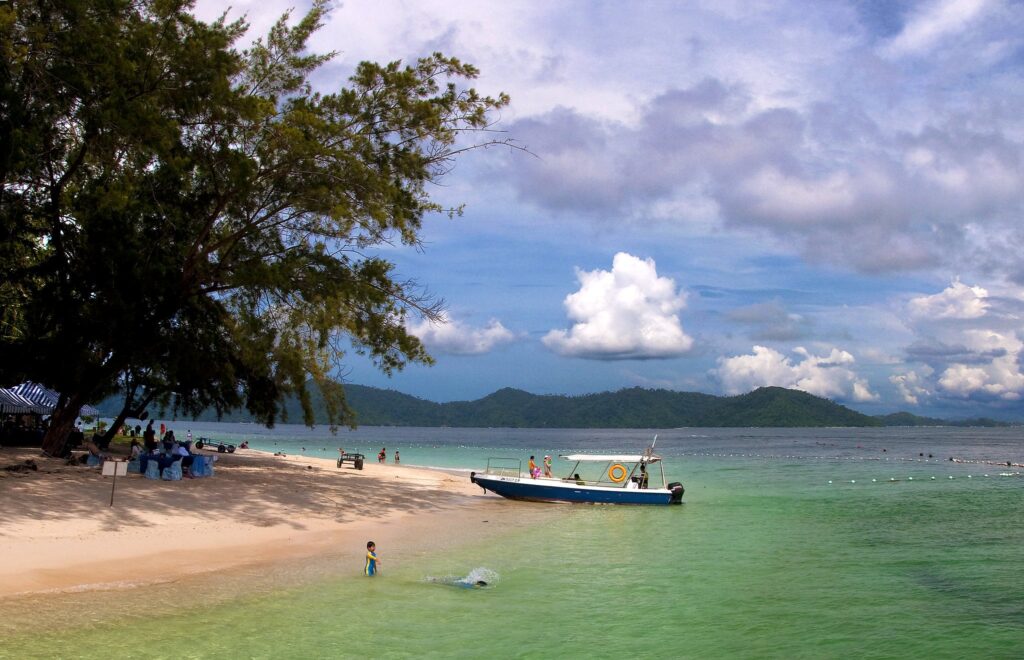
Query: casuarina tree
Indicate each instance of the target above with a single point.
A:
(192, 222)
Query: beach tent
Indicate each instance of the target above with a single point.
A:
(45, 399)
(13, 403)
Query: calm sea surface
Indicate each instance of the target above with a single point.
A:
(796, 543)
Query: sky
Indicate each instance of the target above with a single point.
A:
(718, 196)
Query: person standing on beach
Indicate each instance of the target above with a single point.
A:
(372, 562)
(547, 466)
(149, 439)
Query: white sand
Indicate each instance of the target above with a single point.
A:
(58, 533)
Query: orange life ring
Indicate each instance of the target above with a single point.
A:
(621, 470)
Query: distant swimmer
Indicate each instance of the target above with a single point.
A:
(461, 583)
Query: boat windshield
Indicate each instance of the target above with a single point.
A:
(614, 471)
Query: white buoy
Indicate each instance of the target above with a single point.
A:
(910, 478)
(874, 480)
(853, 481)
(933, 478)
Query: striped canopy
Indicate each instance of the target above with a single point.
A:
(33, 397)
(12, 402)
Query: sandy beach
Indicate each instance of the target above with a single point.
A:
(58, 532)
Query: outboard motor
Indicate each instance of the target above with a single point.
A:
(677, 492)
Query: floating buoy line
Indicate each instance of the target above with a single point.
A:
(893, 479)
(889, 459)
(893, 459)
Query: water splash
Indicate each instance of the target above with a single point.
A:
(478, 577)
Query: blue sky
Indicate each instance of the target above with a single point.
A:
(722, 195)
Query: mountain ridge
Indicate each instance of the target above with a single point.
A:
(770, 407)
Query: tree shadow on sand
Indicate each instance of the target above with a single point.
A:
(255, 489)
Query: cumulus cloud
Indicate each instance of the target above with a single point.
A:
(628, 312)
(958, 301)
(911, 387)
(969, 343)
(828, 375)
(999, 377)
(456, 338)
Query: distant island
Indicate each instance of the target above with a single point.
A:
(628, 408)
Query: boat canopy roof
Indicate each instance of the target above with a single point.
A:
(612, 458)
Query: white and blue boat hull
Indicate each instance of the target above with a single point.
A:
(552, 490)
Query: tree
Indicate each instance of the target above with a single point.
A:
(194, 222)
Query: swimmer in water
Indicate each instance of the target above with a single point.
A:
(460, 582)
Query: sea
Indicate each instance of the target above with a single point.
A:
(791, 543)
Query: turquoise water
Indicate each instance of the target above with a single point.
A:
(766, 558)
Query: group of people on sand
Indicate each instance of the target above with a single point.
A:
(168, 451)
(535, 471)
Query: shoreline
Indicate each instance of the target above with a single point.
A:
(58, 534)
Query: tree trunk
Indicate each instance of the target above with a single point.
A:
(61, 423)
(128, 411)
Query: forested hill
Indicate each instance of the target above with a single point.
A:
(629, 408)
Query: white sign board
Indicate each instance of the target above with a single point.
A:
(115, 468)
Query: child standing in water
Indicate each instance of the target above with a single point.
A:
(372, 563)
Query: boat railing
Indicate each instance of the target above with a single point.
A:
(505, 467)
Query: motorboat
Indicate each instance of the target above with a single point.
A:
(608, 479)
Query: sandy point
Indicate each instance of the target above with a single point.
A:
(58, 532)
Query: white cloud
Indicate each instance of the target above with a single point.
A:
(967, 339)
(628, 312)
(910, 386)
(933, 23)
(822, 375)
(1000, 377)
(456, 338)
(958, 301)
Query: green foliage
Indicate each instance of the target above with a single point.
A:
(193, 225)
(908, 419)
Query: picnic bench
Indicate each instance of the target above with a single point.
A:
(355, 459)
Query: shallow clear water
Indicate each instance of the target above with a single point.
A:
(765, 558)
